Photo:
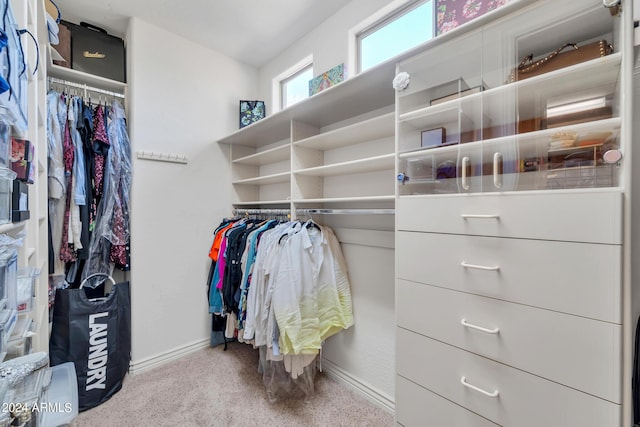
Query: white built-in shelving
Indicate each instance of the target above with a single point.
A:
(336, 147)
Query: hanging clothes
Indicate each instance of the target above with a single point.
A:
(120, 176)
(90, 171)
(56, 110)
(79, 210)
(100, 145)
(292, 293)
(111, 225)
(66, 251)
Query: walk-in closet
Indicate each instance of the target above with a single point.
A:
(314, 213)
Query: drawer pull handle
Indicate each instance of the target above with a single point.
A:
(480, 267)
(497, 170)
(466, 172)
(479, 328)
(464, 382)
(478, 216)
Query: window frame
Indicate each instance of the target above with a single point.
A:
(283, 83)
(384, 17)
(277, 95)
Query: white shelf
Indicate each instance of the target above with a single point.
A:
(594, 78)
(365, 92)
(7, 228)
(537, 137)
(267, 179)
(262, 203)
(347, 199)
(367, 130)
(30, 14)
(266, 157)
(370, 164)
(85, 78)
(41, 114)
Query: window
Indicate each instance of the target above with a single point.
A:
(295, 88)
(404, 29)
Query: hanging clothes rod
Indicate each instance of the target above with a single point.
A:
(345, 211)
(240, 212)
(85, 87)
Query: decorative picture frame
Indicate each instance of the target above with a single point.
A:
(251, 111)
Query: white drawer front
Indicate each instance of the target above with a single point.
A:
(575, 351)
(576, 278)
(579, 217)
(417, 406)
(522, 399)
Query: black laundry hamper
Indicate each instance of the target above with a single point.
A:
(94, 334)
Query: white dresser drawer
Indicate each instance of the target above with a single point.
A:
(519, 399)
(417, 406)
(590, 216)
(571, 350)
(576, 278)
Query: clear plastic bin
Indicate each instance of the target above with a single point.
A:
(5, 415)
(5, 148)
(61, 397)
(26, 289)
(8, 319)
(27, 395)
(19, 343)
(6, 190)
(9, 278)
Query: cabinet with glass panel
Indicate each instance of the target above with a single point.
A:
(472, 120)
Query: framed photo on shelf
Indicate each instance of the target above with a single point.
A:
(433, 137)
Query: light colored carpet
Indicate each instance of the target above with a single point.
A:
(211, 387)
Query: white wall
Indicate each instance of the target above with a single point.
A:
(364, 354)
(327, 43)
(183, 97)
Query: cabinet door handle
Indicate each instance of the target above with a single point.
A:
(480, 267)
(479, 328)
(479, 216)
(493, 393)
(465, 173)
(497, 170)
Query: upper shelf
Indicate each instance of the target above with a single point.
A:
(266, 179)
(370, 164)
(540, 137)
(265, 157)
(12, 226)
(81, 77)
(368, 91)
(585, 80)
(375, 128)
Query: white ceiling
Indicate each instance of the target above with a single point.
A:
(250, 31)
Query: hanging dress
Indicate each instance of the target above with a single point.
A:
(66, 252)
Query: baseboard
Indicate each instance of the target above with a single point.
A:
(142, 365)
(370, 393)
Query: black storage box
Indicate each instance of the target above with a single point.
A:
(94, 51)
(19, 201)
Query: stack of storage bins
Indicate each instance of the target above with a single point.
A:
(8, 295)
(35, 395)
(6, 174)
(19, 342)
(6, 191)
